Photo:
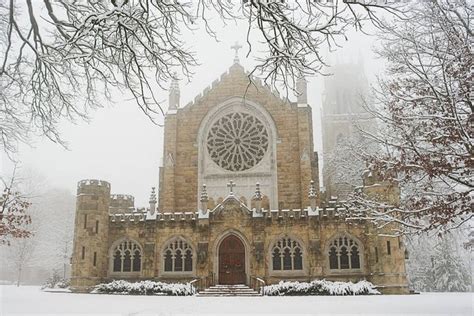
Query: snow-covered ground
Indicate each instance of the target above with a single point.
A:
(29, 300)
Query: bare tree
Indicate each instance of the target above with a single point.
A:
(21, 257)
(56, 208)
(60, 58)
(425, 115)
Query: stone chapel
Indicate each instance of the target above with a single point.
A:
(238, 202)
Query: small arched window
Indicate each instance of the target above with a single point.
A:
(344, 254)
(287, 254)
(178, 256)
(127, 257)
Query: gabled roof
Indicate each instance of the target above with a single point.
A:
(231, 199)
(237, 70)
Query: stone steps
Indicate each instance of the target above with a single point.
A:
(229, 290)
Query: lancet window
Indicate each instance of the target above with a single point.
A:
(287, 254)
(344, 254)
(127, 257)
(178, 256)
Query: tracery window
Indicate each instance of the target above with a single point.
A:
(237, 141)
(178, 256)
(344, 254)
(127, 257)
(287, 254)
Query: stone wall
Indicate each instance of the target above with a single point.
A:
(295, 153)
(258, 235)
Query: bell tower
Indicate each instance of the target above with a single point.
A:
(343, 116)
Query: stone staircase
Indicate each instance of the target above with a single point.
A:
(228, 290)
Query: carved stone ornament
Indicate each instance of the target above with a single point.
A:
(237, 141)
(231, 207)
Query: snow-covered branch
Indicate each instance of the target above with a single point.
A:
(425, 114)
(60, 59)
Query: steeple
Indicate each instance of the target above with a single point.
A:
(174, 95)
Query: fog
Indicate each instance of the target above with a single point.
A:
(120, 144)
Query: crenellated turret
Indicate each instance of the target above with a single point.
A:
(89, 260)
(383, 188)
(386, 252)
(121, 203)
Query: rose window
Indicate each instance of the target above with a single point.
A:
(237, 141)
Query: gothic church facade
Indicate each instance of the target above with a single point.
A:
(238, 201)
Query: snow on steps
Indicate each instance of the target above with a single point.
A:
(229, 290)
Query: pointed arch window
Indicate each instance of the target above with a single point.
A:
(344, 254)
(287, 255)
(178, 256)
(127, 257)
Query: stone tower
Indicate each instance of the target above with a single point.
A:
(343, 116)
(387, 251)
(89, 260)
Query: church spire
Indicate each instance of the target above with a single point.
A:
(174, 94)
(236, 47)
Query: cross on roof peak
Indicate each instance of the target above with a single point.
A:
(231, 186)
(236, 47)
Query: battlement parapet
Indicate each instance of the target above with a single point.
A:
(93, 186)
(128, 217)
(145, 215)
(121, 201)
(331, 213)
(122, 197)
(326, 213)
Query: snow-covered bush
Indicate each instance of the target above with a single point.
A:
(144, 288)
(320, 287)
(61, 284)
(55, 282)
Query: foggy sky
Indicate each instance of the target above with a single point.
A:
(121, 145)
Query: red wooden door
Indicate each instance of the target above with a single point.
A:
(232, 261)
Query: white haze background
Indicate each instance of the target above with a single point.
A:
(121, 145)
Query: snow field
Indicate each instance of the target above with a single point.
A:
(29, 300)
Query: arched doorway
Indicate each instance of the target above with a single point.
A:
(232, 261)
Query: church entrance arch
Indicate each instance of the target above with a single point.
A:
(232, 261)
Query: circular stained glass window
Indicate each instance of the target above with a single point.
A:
(237, 141)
